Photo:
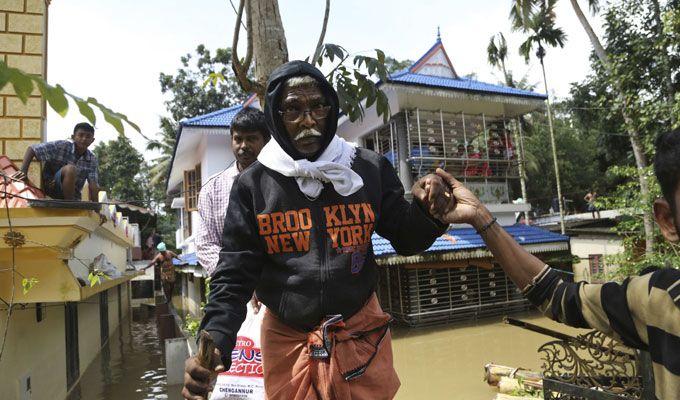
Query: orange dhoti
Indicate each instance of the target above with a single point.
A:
(353, 362)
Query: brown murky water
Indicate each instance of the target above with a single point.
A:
(448, 362)
(433, 363)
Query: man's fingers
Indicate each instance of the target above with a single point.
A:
(199, 373)
(217, 361)
(448, 178)
(186, 394)
(193, 387)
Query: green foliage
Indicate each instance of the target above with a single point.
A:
(524, 391)
(538, 23)
(95, 277)
(627, 198)
(191, 325)
(57, 98)
(576, 155)
(638, 55)
(393, 65)
(120, 171)
(28, 283)
(190, 94)
(356, 91)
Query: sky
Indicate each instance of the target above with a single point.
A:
(115, 50)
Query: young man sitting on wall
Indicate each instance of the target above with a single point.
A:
(66, 165)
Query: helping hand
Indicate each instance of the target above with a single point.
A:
(463, 207)
(432, 193)
(197, 378)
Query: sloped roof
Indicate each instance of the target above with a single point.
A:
(435, 61)
(469, 239)
(434, 69)
(10, 191)
(216, 119)
(464, 84)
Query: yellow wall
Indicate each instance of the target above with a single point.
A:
(47, 367)
(584, 245)
(23, 24)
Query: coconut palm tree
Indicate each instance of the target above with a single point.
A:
(539, 26)
(165, 145)
(497, 55)
(520, 14)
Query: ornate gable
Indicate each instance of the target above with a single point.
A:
(435, 63)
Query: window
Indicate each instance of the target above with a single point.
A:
(596, 264)
(192, 186)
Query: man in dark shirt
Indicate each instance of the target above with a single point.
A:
(66, 165)
(298, 231)
(643, 311)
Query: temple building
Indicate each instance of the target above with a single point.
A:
(471, 129)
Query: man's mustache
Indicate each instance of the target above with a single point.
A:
(307, 133)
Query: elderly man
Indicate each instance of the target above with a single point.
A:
(298, 232)
(643, 312)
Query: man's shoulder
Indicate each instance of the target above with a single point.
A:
(368, 155)
(56, 143)
(666, 279)
(220, 178)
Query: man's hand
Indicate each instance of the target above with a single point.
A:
(19, 175)
(432, 193)
(464, 207)
(256, 304)
(197, 378)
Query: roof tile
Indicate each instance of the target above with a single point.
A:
(13, 193)
(216, 119)
(468, 238)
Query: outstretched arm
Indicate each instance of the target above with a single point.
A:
(410, 227)
(520, 265)
(619, 310)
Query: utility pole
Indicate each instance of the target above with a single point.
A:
(540, 54)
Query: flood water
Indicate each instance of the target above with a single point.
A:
(130, 366)
(433, 363)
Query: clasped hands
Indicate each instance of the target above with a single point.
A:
(446, 199)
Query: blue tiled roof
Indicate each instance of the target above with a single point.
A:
(464, 84)
(216, 119)
(187, 259)
(469, 239)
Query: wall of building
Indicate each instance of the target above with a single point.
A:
(23, 25)
(46, 367)
(585, 245)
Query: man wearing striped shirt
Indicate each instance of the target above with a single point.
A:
(643, 311)
(248, 135)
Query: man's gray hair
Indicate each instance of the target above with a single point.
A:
(301, 81)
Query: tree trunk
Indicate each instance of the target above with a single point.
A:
(269, 39)
(554, 151)
(519, 148)
(640, 158)
(664, 59)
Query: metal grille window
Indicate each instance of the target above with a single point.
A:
(478, 149)
(384, 141)
(192, 186)
(596, 264)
